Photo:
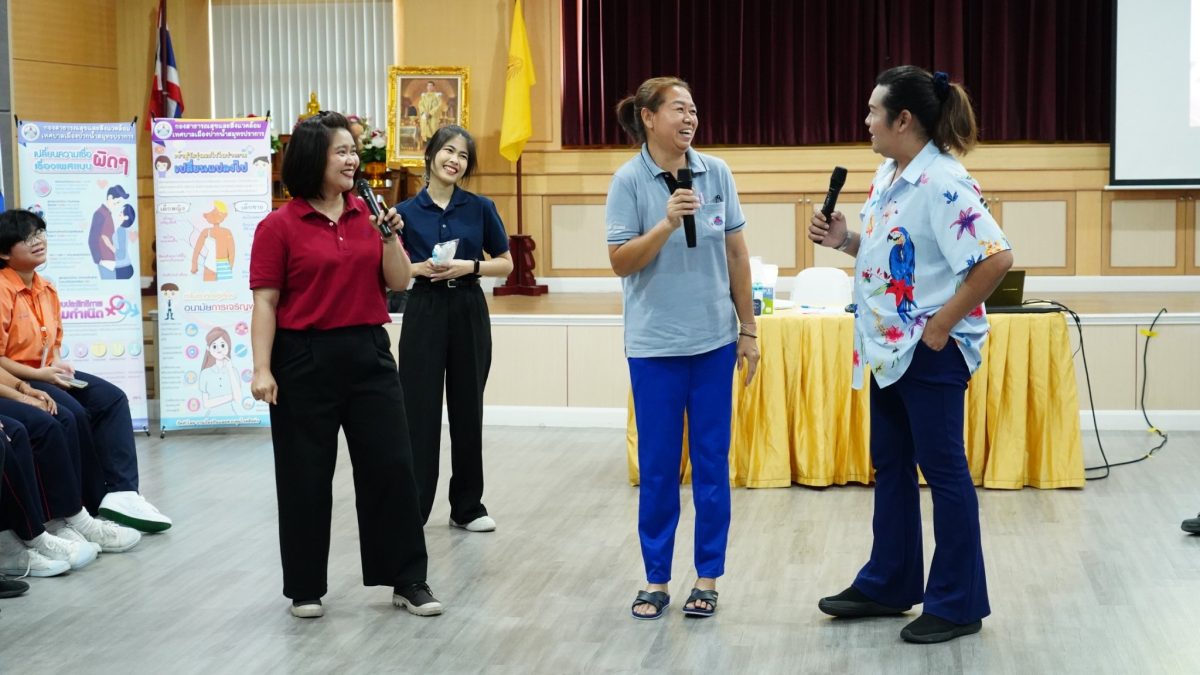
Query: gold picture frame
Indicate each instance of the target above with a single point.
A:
(422, 99)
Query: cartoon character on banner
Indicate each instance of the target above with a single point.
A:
(125, 237)
(215, 245)
(102, 235)
(169, 291)
(220, 385)
(162, 164)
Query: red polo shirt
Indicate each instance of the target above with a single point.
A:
(329, 275)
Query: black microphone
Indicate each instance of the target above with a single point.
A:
(836, 181)
(368, 195)
(684, 182)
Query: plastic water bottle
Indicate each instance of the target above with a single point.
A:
(756, 292)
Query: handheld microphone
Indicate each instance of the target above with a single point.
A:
(364, 190)
(836, 181)
(684, 182)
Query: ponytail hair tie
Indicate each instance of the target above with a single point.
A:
(941, 85)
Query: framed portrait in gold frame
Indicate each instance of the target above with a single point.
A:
(421, 100)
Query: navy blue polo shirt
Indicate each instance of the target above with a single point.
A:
(469, 218)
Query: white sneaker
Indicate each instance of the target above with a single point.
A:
(65, 532)
(77, 555)
(18, 560)
(132, 510)
(106, 535)
(480, 524)
(307, 609)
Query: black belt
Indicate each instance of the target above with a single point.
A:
(459, 282)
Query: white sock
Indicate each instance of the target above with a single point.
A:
(81, 519)
(37, 540)
(55, 525)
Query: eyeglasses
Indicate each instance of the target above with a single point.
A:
(35, 237)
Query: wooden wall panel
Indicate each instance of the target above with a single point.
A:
(80, 32)
(772, 231)
(1110, 352)
(1193, 244)
(1144, 234)
(1174, 368)
(54, 92)
(578, 238)
(1040, 227)
(1089, 206)
(597, 374)
(529, 366)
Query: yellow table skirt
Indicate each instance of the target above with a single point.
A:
(800, 421)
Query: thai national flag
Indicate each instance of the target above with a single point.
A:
(174, 93)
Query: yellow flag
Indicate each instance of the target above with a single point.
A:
(517, 125)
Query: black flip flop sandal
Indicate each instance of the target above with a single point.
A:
(701, 596)
(656, 599)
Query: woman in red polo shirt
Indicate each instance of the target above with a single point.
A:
(323, 362)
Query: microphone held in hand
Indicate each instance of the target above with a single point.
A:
(684, 182)
(836, 181)
(368, 195)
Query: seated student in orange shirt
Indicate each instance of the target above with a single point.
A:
(30, 343)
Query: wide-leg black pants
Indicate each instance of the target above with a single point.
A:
(446, 341)
(343, 379)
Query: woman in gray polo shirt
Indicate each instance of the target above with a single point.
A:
(682, 334)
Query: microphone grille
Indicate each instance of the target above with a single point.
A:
(838, 179)
(684, 175)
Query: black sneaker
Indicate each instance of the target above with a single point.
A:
(11, 588)
(307, 609)
(417, 599)
(853, 603)
(1191, 525)
(929, 629)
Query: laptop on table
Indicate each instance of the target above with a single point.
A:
(1007, 297)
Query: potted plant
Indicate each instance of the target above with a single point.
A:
(373, 153)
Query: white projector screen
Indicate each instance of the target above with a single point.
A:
(1156, 111)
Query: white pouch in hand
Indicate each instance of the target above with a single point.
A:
(443, 252)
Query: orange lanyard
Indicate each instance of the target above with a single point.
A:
(35, 306)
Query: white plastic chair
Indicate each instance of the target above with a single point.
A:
(821, 287)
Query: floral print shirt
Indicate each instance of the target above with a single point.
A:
(921, 236)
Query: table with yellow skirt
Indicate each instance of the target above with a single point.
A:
(800, 421)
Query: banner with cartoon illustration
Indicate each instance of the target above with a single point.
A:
(212, 186)
(82, 179)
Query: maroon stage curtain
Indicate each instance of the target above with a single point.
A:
(799, 72)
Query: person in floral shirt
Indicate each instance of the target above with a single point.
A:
(928, 256)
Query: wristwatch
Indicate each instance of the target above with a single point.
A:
(477, 267)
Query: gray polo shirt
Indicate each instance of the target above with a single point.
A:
(679, 304)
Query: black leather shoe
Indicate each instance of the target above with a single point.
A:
(928, 629)
(1192, 525)
(853, 603)
(11, 588)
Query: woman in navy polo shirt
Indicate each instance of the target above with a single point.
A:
(446, 336)
(928, 256)
(322, 361)
(682, 336)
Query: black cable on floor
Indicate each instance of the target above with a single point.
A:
(1149, 333)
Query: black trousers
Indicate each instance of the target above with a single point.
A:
(100, 416)
(58, 472)
(343, 378)
(446, 340)
(26, 482)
